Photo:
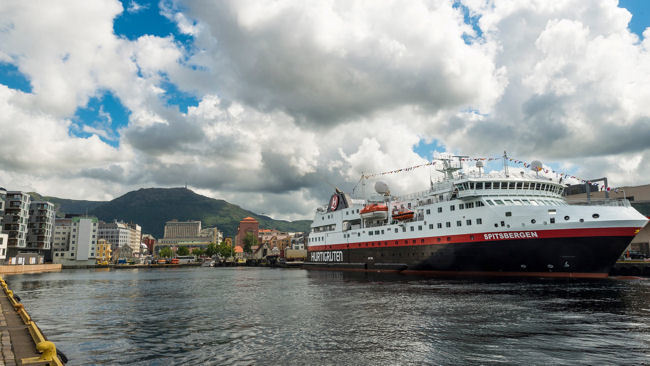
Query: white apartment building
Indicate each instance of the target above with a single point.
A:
(3, 237)
(120, 234)
(75, 240)
(15, 221)
(41, 222)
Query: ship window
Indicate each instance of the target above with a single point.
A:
(412, 228)
(479, 185)
(526, 202)
(490, 202)
(460, 187)
(471, 185)
(519, 185)
(403, 228)
(461, 206)
(430, 226)
(509, 213)
(488, 185)
(595, 216)
(534, 203)
(470, 205)
(439, 225)
(508, 202)
(420, 227)
(552, 211)
(552, 219)
(566, 218)
(452, 208)
(479, 221)
(503, 223)
(582, 220)
(532, 221)
(468, 222)
(376, 232)
(439, 209)
(396, 230)
(511, 185)
(458, 223)
(428, 211)
(480, 204)
(499, 202)
(448, 224)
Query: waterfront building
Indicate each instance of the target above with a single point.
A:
(247, 225)
(41, 223)
(75, 240)
(149, 241)
(116, 233)
(182, 229)
(298, 241)
(188, 234)
(16, 215)
(3, 236)
(104, 251)
(135, 237)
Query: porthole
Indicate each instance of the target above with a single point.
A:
(582, 220)
(595, 216)
(566, 218)
(533, 221)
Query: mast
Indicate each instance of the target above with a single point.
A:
(505, 163)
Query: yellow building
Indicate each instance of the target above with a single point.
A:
(103, 251)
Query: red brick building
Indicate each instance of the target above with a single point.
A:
(247, 225)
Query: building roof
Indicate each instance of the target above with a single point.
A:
(239, 249)
(249, 219)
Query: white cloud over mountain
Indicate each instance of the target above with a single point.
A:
(297, 96)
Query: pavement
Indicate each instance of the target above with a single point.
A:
(16, 341)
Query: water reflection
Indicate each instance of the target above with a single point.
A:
(252, 315)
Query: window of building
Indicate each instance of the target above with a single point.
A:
(458, 223)
(452, 208)
(448, 224)
(479, 221)
(439, 225)
(439, 209)
(468, 222)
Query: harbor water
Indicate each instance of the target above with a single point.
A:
(247, 316)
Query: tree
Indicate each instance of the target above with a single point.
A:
(198, 252)
(212, 249)
(249, 242)
(224, 250)
(182, 251)
(165, 252)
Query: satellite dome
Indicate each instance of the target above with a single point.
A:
(536, 166)
(381, 188)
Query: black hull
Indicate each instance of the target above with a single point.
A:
(547, 257)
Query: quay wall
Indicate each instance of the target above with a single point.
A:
(29, 268)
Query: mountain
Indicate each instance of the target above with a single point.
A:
(152, 207)
(64, 205)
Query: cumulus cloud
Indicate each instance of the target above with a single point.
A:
(297, 97)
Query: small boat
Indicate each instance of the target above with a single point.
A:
(374, 211)
(403, 215)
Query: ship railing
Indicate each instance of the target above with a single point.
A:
(615, 202)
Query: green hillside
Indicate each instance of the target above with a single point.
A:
(64, 205)
(152, 207)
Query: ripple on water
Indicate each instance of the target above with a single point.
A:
(233, 316)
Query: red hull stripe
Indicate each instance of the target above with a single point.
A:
(484, 237)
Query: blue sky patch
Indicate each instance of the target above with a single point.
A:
(102, 116)
(14, 79)
(640, 10)
(469, 19)
(177, 97)
(144, 17)
(425, 150)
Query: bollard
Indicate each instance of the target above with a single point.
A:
(48, 355)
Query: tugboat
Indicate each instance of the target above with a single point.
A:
(473, 224)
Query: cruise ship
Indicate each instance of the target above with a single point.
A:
(496, 224)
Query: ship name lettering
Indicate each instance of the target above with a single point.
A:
(515, 235)
(334, 256)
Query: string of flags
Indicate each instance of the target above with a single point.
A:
(560, 175)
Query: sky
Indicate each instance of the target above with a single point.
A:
(269, 105)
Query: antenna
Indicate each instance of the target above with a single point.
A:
(505, 163)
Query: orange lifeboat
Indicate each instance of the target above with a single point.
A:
(374, 211)
(403, 215)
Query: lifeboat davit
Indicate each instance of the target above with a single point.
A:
(403, 215)
(374, 211)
